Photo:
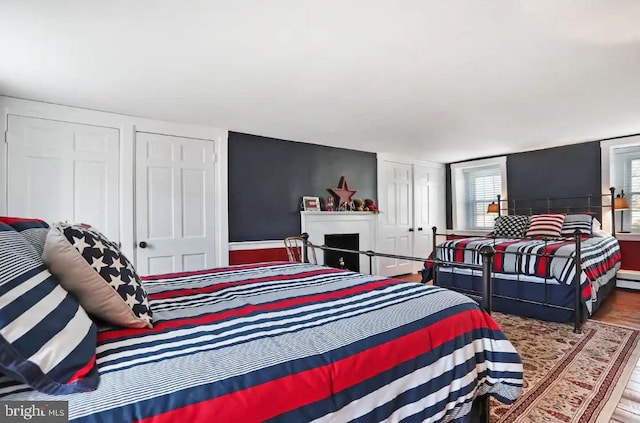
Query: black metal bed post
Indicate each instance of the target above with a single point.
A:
(370, 254)
(487, 253)
(577, 314)
(500, 206)
(434, 254)
(612, 191)
(484, 414)
(548, 205)
(305, 246)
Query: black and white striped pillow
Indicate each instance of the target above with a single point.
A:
(49, 341)
(580, 222)
(34, 230)
(510, 226)
(545, 225)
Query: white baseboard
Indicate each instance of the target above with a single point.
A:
(256, 245)
(629, 279)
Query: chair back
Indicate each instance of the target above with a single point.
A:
(294, 246)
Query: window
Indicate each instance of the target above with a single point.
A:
(625, 177)
(621, 170)
(482, 187)
(475, 185)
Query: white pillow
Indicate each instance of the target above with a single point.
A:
(597, 230)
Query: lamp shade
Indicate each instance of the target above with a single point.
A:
(493, 208)
(621, 203)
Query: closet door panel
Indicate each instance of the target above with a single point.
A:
(62, 171)
(174, 203)
(422, 187)
(395, 231)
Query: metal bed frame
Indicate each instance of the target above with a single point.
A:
(547, 208)
(532, 206)
(480, 408)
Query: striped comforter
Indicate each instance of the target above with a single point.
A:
(535, 257)
(295, 343)
(551, 259)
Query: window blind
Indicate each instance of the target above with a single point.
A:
(482, 185)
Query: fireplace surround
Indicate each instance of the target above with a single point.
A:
(318, 224)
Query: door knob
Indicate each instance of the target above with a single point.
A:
(410, 229)
(142, 244)
(419, 228)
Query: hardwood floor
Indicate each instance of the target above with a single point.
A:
(622, 307)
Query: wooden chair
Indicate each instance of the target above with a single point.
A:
(294, 245)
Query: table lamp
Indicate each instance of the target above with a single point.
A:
(621, 204)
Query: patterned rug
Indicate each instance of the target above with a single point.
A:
(568, 377)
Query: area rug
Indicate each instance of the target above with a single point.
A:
(568, 377)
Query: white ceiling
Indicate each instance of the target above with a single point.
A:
(443, 80)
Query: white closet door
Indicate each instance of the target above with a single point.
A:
(61, 171)
(174, 204)
(396, 220)
(422, 186)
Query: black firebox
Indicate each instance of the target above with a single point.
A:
(350, 261)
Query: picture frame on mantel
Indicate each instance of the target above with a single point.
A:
(311, 203)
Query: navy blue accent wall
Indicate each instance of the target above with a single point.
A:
(268, 177)
(567, 171)
(570, 170)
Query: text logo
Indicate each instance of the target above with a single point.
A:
(34, 411)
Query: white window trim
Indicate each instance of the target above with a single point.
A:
(458, 210)
(606, 152)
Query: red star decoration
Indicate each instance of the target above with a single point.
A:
(343, 192)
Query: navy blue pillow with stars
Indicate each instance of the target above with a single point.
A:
(106, 259)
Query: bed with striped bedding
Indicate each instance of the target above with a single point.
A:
(546, 267)
(544, 258)
(295, 343)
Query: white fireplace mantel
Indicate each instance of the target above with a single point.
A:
(320, 223)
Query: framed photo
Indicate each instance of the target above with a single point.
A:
(311, 203)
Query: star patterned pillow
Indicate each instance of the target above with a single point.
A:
(102, 278)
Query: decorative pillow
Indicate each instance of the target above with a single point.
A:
(46, 339)
(93, 268)
(545, 225)
(581, 222)
(34, 230)
(510, 226)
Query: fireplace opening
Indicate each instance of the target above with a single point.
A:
(339, 259)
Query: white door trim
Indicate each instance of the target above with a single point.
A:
(127, 126)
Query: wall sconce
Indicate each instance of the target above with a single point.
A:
(493, 208)
(621, 203)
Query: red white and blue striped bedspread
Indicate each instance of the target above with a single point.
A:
(295, 343)
(552, 259)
